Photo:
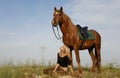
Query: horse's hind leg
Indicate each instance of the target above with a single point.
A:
(93, 58)
(98, 56)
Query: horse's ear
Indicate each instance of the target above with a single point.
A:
(55, 9)
(61, 8)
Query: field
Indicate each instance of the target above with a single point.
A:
(33, 70)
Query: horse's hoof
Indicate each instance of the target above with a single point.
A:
(93, 70)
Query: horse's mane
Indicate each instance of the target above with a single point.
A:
(67, 19)
(69, 23)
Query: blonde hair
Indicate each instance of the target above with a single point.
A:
(66, 50)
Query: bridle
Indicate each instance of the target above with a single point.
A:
(58, 37)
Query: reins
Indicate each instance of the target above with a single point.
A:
(58, 37)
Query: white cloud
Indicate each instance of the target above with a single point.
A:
(94, 11)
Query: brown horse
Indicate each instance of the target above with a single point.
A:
(73, 41)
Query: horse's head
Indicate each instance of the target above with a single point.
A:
(57, 16)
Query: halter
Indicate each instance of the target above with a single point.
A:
(58, 37)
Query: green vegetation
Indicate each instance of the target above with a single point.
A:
(33, 70)
(27, 70)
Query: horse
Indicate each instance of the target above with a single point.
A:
(71, 39)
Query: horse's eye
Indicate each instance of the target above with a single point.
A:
(60, 14)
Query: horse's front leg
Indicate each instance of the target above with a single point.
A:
(71, 59)
(78, 61)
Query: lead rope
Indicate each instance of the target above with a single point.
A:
(58, 37)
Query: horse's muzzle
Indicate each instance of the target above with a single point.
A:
(53, 23)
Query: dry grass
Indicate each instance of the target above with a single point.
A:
(27, 70)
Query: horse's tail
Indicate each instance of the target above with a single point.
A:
(97, 49)
(98, 57)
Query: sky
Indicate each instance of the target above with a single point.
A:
(26, 30)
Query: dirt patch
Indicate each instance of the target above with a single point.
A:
(60, 73)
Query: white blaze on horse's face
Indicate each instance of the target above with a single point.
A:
(56, 13)
(55, 21)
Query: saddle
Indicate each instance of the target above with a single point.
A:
(84, 33)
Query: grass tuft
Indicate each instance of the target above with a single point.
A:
(34, 70)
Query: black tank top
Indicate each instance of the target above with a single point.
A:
(63, 61)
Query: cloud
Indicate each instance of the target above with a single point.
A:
(94, 11)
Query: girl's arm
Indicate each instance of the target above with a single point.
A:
(57, 65)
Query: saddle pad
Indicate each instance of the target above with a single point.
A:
(90, 35)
